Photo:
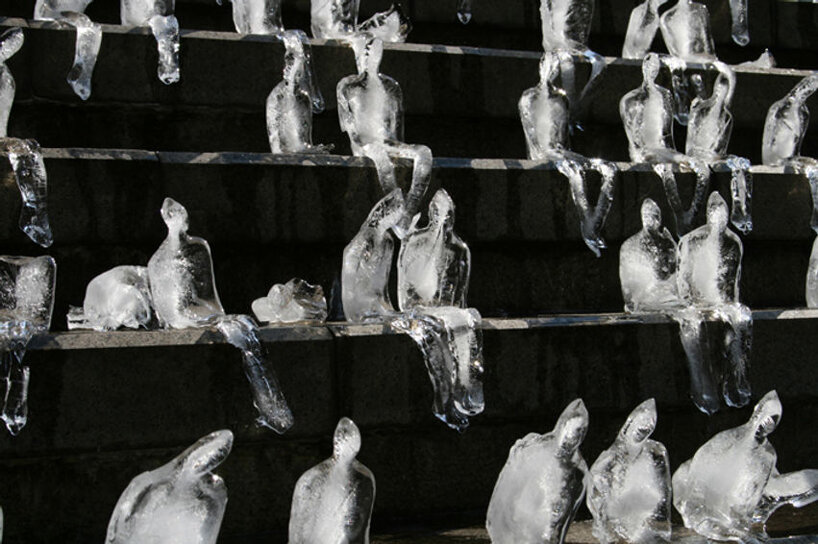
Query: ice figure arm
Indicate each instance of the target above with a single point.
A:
(796, 488)
(526, 109)
(397, 97)
(345, 117)
(10, 42)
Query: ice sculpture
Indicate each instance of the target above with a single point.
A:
(729, 488)
(332, 501)
(647, 114)
(120, 297)
(257, 16)
(370, 110)
(10, 43)
(708, 133)
(545, 115)
(464, 11)
(738, 14)
(293, 301)
(158, 15)
(629, 490)
(26, 303)
(29, 171)
(368, 260)
(648, 262)
(338, 19)
(686, 32)
(784, 130)
(542, 484)
(181, 502)
(642, 27)
(812, 277)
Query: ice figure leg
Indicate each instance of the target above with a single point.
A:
(684, 217)
(741, 189)
(464, 11)
(811, 171)
(309, 70)
(29, 171)
(7, 89)
(737, 342)
(703, 388)
(421, 157)
(580, 106)
(798, 489)
(738, 12)
(383, 165)
(89, 39)
(576, 172)
(16, 376)
(166, 31)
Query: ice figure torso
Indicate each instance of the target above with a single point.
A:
(541, 485)
(647, 115)
(181, 502)
(686, 31)
(375, 112)
(119, 297)
(332, 502)
(787, 122)
(545, 114)
(710, 122)
(566, 24)
(257, 16)
(642, 27)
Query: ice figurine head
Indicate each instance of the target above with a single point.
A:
(441, 210)
(717, 214)
(651, 65)
(786, 124)
(766, 416)
(181, 502)
(651, 216)
(368, 53)
(571, 428)
(640, 424)
(346, 442)
(175, 216)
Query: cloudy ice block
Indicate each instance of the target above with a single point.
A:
(120, 297)
(293, 301)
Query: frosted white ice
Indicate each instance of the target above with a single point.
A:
(257, 16)
(120, 297)
(731, 484)
(293, 301)
(338, 19)
(332, 501)
(464, 11)
(629, 491)
(181, 502)
(29, 172)
(158, 15)
(642, 27)
(812, 277)
(10, 43)
(542, 484)
(740, 30)
(686, 32)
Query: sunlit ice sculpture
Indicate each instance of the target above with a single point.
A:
(545, 114)
(333, 500)
(338, 19)
(290, 302)
(120, 297)
(731, 486)
(182, 502)
(158, 15)
(26, 303)
(643, 25)
(686, 32)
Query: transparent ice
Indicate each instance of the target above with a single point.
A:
(338, 19)
(367, 262)
(812, 277)
(629, 491)
(765, 60)
(370, 111)
(738, 14)
(542, 484)
(686, 32)
(731, 485)
(89, 39)
(293, 301)
(158, 15)
(257, 16)
(642, 27)
(120, 297)
(647, 114)
(545, 114)
(332, 501)
(26, 302)
(181, 502)
(29, 171)
(10, 43)
(464, 11)
(452, 345)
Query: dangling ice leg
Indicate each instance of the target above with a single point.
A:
(89, 39)
(166, 31)
(798, 489)
(738, 12)
(464, 11)
(16, 376)
(579, 104)
(681, 97)
(29, 171)
(703, 388)
(576, 172)
(608, 173)
(568, 75)
(737, 342)
(741, 188)
(421, 157)
(811, 171)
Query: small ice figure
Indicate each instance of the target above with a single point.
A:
(648, 262)
(181, 502)
(642, 27)
(293, 301)
(812, 277)
(29, 172)
(158, 15)
(181, 275)
(338, 19)
(686, 32)
(629, 491)
(10, 43)
(545, 115)
(542, 484)
(452, 345)
(26, 303)
(370, 110)
(464, 11)
(731, 486)
(764, 61)
(647, 114)
(708, 133)
(738, 13)
(784, 130)
(368, 260)
(120, 297)
(434, 263)
(257, 16)
(332, 501)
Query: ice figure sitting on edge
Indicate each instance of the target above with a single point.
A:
(332, 501)
(181, 502)
(812, 277)
(26, 303)
(545, 115)
(542, 484)
(686, 32)
(370, 110)
(293, 301)
(784, 130)
(731, 485)
(120, 297)
(89, 38)
(338, 19)
(708, 133)
(158, 15)
(257, 16)
(629, 491)
(464, 11)
(642, 27)
(647, 115)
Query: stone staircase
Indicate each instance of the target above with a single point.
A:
(107, 406)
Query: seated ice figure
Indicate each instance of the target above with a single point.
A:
(629, 489)
(257, 16)
(120, 297)
(10, 43)
(370, 110)
(647, 114)
(686, 32)
(332, 501)
(812, 277)
(542, 484)
(545, 115)
(642, 27)
(158, 15)
(338, 19)
(731, 485)
(293, 301)
(181, 502)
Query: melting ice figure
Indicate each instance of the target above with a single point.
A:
(464, 11)
(647, 114)
(370, 110)
(629, 490)
(686, 32)
(257, 16)
(812, 277)
(181, 502)
(120, 297)
(542, 484)
(545, 115)
(332, 501)
(10, 43)
(293, 301)
(642, 27)
(732, 483)
(738, 13)
(26, 303)
(158, 15)
(338, 19)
